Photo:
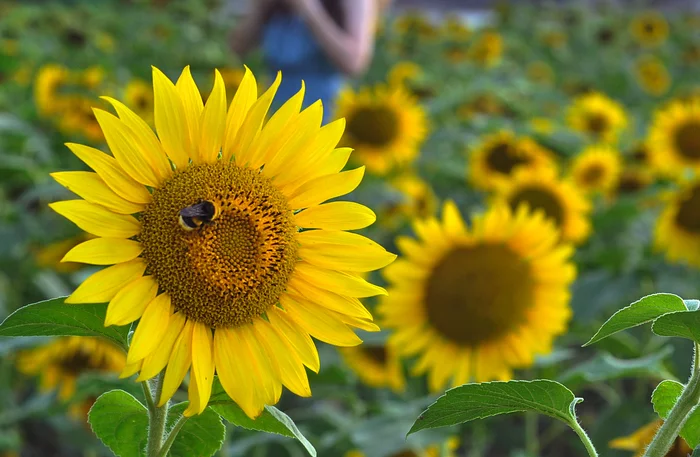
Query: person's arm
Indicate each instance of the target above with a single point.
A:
(246, 35)
(350, 47)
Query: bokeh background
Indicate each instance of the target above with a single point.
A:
(596, 102)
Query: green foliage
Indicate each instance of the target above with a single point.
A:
(55, 318)
(120, 421)
(664, 398)
(683, 324)
(202, 435)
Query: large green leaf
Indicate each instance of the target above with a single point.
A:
(640, 312)
(120, 421)
(664, 397)
(272, 420)
(605, 366)
(684, 324)
(55, 318)
(201, 435)
(477, 401)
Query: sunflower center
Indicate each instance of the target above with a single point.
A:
(478, 293)
(376, 353)
(374, 125)
(538, 198)
(688, 215)
(503, 158)
(142, 102)
(597, 123)
(593, 174)
(228, 269)
(687, 139)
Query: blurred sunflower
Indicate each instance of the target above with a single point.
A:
(415, 23)
(214, 264)
(51, 80)
(403, 73)
(447, 449)
(485, 104)
(61, 361)
(487, 49)
(475, 303)
(419, 198)
(596, 169)
(499, 155)
(92, 77)
(606, 36)
(555, 39)
(542, 125)
(691, 54)
(138, 95)
(559, 200)
(454, 28)
(455, 52)
(649, 28)
(632, 180)
(640, 440)
(540, 72)
(232, 80)
(597, 116)
(651, 75)
(677, 230)
(376, 366)
(79, 118)
(385, 126)
(50, 256)
(674, 137)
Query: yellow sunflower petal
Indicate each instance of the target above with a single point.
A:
(336, 216)
(213, 122)
(318, 322)
(179, 363)
(342, 251)
(203, 362)
(102, 286)
(104, 251)
(97, 220)
(267, 371)
(151, 329)
(93, 189)
(244, 98)
(111, 173)
(130, 302)
(296, 337)
(326, 187)
(170, 119)
(158, 359)
(332, 301)
(131, 369)
(338, 282)
(193, 106)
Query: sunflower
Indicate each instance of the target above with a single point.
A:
(640, 439)
(404, 73)
(632, 180)
(415, 23)
(376, 366)
(674, 137)
(597, 116)
(560, 201)
(419, 199)
(138, 96)
(201, 227)
(50, 256)
(542, 125)
(677, 230)
(92, 77)
(456, 52)
(487, 49)
(50, 81)
(475, 303)
(652, 76)
(61, 361)
(447, 449)
(499, 155)
(649, 28)
(540, 72)
(454, 28)
(596, 169)
(485, 104)
(554, 39)
(80, 119)
(232, 80)
(385, 125)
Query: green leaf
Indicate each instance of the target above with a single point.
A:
(201, 435)
(605, 366)
(55, 318)
(120, 421)
(663, 399)
(684, 324)
(640, 312)
(272, 420)
(696, 452)
(477, 401)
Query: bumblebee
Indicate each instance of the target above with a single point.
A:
(194, 216)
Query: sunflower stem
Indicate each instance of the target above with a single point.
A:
(171, 436)
(532, 443)
(588, 444)
(156, 416)
(670, 429)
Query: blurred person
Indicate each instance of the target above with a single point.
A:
(318, 41)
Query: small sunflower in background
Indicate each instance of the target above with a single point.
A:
(542, 125)
(641, 438)
(651, 75)
(559, 200)
(447, 449)
(691, 54)
(487, 49)
(484, 104)
(499, 155)
(632, 180)
(376, 366)
(49, 85)
(606, 35)
(540, 72)
(674, 137)
(419, 199)
(200, 229)
(455, 28)
(474, 303)
(596, 169)
(138, 95)
(649, 28)
(79, 118)
(455, 52)
(555, 39)
(60, 362)
(50, 256)
(91, 78)
(415, 23)
(385, 126)
(411, 76)
(598, 116)
(677, 231)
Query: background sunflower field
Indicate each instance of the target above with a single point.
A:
(535, 168)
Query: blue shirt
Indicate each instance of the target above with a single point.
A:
(290, 46)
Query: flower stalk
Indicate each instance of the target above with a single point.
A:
(156, 415)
